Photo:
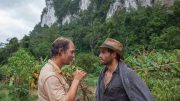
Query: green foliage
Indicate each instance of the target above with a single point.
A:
(169, 39)
(155, 61)
(88, 62)
(41, 40)
(19, 92)
(160, 70)
(174, 13)
(1, 74)
(148, 27)
(102, 9)
(20, 65)
(136, 27)
(65, 7)
(9, 48)
(19, 70)
(24, 43)
(166, 89)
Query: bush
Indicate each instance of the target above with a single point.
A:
(1, 74)
(160, 71)
(19, 70)
(88, 62)
(19, 92)
(166, 90)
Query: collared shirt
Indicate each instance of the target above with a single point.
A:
(114, 90)
(51, 84)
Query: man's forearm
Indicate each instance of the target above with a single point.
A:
(73, 90)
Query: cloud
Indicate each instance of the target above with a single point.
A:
(18, 17)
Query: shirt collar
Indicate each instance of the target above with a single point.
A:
(116, 71)
(55, 67)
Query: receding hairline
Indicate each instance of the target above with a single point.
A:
(62, 38)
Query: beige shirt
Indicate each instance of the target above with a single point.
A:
(51, 84)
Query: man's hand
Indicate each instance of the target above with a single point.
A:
(79, 75)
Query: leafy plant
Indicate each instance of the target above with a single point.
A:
(88, 62)
(19, 69)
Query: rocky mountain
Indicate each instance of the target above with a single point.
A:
(65, 11)
(138, 24)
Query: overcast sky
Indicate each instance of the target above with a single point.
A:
(18, 17)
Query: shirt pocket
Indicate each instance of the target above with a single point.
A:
(114, 90)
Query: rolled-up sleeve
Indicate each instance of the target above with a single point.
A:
(54, 89)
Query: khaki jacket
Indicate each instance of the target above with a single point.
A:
(52, 85)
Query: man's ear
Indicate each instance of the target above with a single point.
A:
(60, 52)
(114, 54)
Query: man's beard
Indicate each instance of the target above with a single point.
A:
(108, 62)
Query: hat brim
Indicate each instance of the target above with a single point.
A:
(110, 47)
(107, 46)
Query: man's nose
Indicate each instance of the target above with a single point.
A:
(100, 55)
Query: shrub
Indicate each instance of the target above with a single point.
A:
(19, 70)
(88, 62)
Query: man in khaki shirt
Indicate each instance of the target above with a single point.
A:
(52, 85)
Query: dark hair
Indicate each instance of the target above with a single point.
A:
(118, 57)
(61, 44)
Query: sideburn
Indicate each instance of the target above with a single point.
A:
(109, 61)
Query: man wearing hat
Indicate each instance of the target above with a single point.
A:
(116, 81)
